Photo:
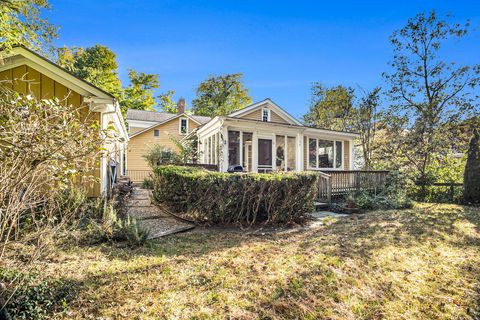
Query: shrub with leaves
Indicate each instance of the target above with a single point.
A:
(215, 197)
(472, 171)
(159, 155)
(34, 298)
(392, 196)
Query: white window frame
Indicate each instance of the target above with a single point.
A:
(180, 126)
(268, 114)
(334, 154)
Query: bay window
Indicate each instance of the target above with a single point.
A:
(325, 154)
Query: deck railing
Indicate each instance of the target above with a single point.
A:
(335, 184)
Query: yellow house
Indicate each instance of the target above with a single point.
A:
(47, 80)
(148, 128)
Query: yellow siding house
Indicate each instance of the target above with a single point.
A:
(47, 80)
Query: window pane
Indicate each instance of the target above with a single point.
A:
(325, 154)
(339, 154)
(233, 148)
(156, 133)
(291, 150)
(265, 113)
(183, 125)
(280, 162)
(312, 153)
(247, 151)
(264, 152)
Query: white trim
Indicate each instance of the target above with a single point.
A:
(272, 104)
(309, 167)
(180, 126)
(269, 113)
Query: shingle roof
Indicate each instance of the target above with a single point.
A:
(154, 116)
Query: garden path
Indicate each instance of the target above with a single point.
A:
(151, 217)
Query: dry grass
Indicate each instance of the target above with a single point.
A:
(422, 263)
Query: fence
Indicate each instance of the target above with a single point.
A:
(334, 184)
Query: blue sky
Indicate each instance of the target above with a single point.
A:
(281, 47)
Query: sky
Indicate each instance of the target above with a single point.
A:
(281, 47)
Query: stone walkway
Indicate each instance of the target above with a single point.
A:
(152, 217)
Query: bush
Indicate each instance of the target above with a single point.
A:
(160, 155)
(112, 228)
(32, 298)
(393, 195)
(216, 197)
(147, 183)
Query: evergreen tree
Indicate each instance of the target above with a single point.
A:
(471, 192)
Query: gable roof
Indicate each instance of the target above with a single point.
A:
(279, 110)
(154, 116)
(22, 55)
(167, 119)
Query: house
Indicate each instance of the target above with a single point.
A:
(148, 128)
(47, 80)
(263, 137)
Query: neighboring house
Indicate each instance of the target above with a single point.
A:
(47, 80)
(147, 128)
(263, 137)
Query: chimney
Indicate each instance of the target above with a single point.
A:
(181, 106)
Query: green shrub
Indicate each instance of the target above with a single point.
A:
(112, 228)
(32, 298)
(215, 197)
(147, 183)
(392, 196)
(160, 155)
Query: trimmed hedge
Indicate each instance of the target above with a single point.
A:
(216, 197)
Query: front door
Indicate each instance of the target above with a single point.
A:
(265, 155)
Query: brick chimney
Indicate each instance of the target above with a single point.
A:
(181, 106)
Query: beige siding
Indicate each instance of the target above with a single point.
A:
(257, 115)
(43, 87)
(133, 130)
(140, 144)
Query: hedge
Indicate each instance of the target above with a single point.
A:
(216, 197)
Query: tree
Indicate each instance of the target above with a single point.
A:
(471, 191)
(426, 90)
(139, 94)
(330, 108)
(365, 122)
(21, 22)
(166, 102)
(221, 95)
(96, 65)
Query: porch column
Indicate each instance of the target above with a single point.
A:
(254, 152)
(299, 152)
(223, 161)
(352, 151)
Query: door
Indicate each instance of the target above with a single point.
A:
(265, 155)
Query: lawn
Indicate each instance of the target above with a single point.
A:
(422, 263)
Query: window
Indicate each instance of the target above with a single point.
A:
(325, 154)
(233, 148)
(183, 125)
(265, 115)
(156, 133)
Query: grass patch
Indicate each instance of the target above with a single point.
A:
(422, 263)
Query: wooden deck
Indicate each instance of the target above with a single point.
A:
(336, 184)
